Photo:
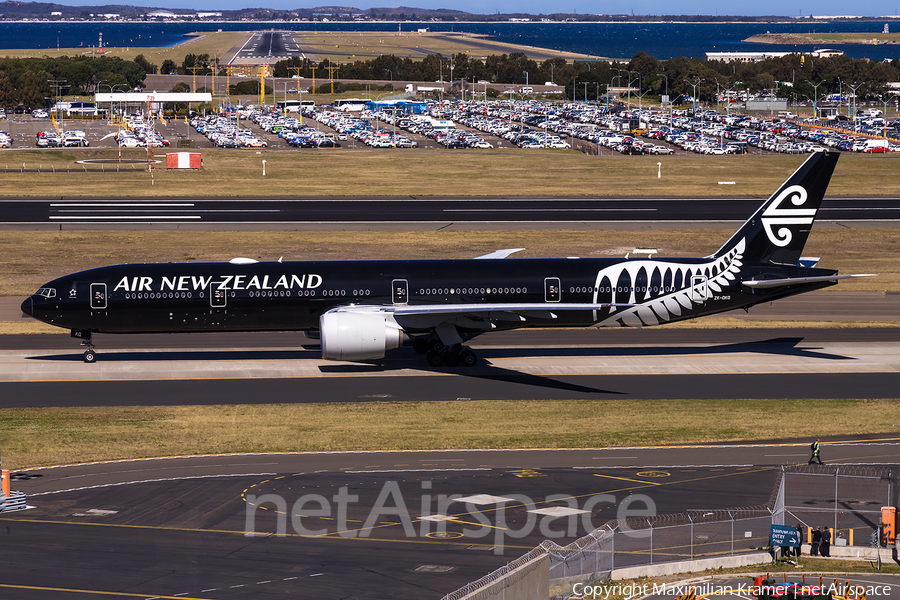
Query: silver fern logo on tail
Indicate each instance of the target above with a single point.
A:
(775, 216)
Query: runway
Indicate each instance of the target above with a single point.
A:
(392, 211)
(177, 527)
(266, 47)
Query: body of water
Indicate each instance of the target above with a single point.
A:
(617, 40)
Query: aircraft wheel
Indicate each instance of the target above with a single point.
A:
(420, 345)
(452, 359)
(435, 359)
(468, 358)
(90, 356)
(436, 345)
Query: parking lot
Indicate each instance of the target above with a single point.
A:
(525, 125)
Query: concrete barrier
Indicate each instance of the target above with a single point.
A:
(691, 566)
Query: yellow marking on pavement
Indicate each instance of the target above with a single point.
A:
(94, 592)
(626, 479)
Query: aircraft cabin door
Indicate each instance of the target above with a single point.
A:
(399, 291)
(98, 296)
(217, 298)
(552, 290)
(699, 288)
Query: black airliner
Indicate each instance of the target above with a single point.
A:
(361, 309)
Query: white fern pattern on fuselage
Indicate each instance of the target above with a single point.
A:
(632, 282)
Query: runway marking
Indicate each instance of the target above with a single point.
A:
(127, 217)
(103, 485)
(94, 592)
(421, 470)
(626, 479)
(551, 210)
(104, 204)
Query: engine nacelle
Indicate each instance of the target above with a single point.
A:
(358, 335)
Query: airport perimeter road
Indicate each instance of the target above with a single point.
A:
(669, 364)
(176, 527)
(443, 211)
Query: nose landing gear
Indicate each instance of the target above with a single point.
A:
(90, 355)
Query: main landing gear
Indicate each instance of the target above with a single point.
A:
(437, 354)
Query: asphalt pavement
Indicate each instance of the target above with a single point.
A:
(66, 211)
(178, 527)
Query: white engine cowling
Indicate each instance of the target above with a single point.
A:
(358, 335)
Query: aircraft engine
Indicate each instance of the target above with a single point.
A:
(358, 335)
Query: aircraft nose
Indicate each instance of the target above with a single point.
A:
(27, 306)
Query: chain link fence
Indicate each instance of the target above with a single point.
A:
(628, 543)
(847, 498)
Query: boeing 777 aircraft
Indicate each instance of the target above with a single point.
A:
(361, 309)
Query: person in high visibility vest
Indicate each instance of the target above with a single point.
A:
(815, 452)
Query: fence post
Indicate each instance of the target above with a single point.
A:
(835, 497)
(612, 553)
(732, 533)
(651, 541)
(692, 536)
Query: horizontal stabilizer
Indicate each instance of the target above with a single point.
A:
(808, 261)
(772, 283)
(500, 253)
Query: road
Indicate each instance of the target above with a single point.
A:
(399, 211)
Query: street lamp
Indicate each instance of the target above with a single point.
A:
(667, 96)
(695, 85)
(884, 115)
(815, 99)
(727, 99)
(853, 89)
(630, 81)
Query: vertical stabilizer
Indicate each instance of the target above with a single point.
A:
(777, 232)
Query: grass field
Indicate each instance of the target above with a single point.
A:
(47, 436)
(371, 172)
(32, 258)
(207, 42)
(337, 46)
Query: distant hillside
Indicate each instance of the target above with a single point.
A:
(12, 10)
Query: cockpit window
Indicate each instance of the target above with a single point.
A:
(46, 292)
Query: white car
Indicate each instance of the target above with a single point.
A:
(40, 114)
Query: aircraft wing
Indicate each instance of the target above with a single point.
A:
(771, 283)
(500, 253)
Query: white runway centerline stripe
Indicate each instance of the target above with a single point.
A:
(88, 217)
(551, 210)
(120, 204)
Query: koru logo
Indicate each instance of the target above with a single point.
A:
(774, 215)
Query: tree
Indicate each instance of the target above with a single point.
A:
(180, 88)
(145, 64)
(168, 67)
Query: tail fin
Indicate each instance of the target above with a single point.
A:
(777, 231)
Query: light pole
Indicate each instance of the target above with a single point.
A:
(727, 99)
(695, 85)
(667, 101)
(630, 81)
(884, 116)
(815, 100)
